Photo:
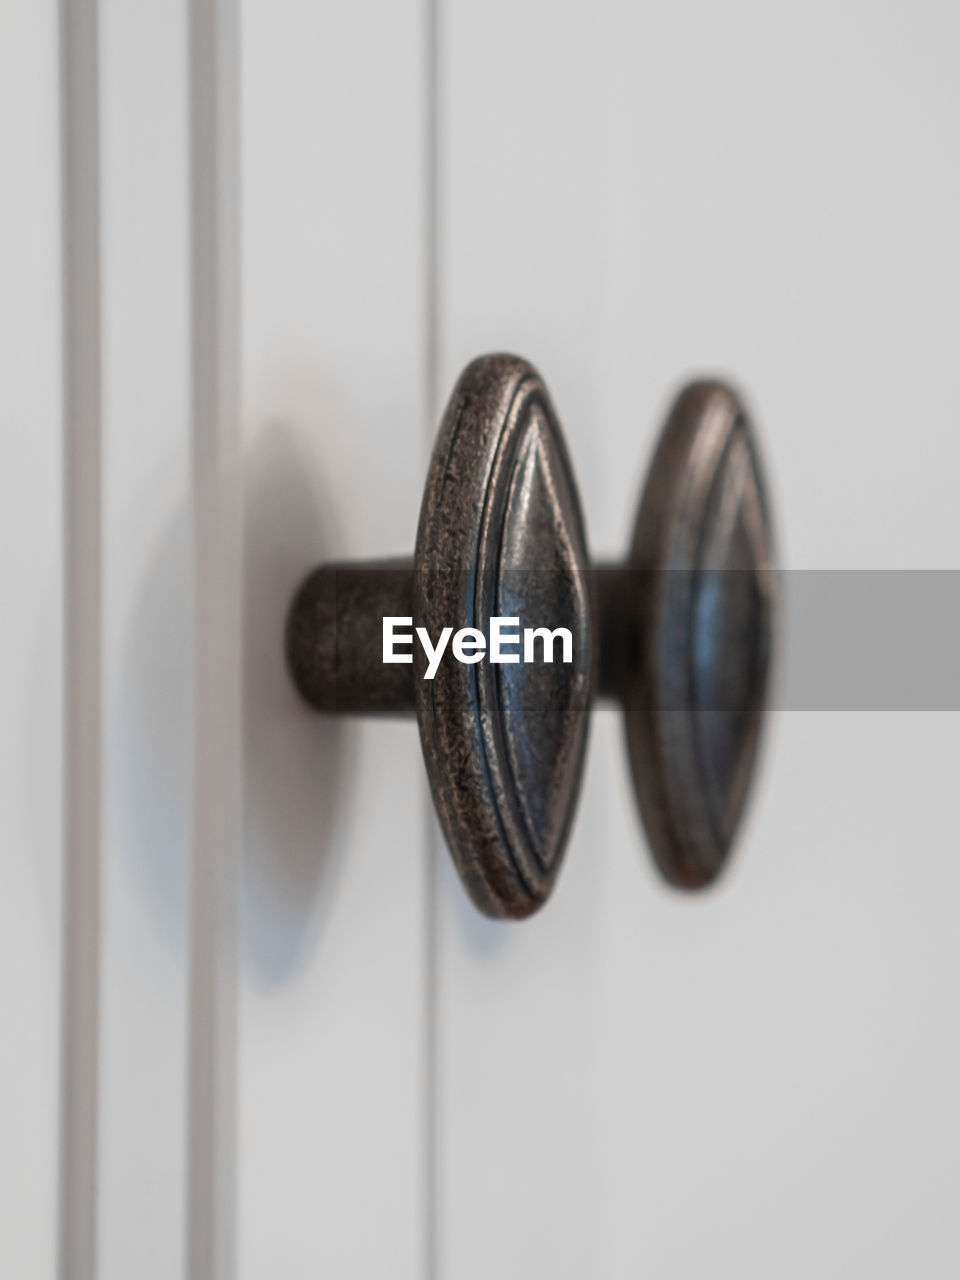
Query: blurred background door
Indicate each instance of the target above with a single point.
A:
(252, 1024)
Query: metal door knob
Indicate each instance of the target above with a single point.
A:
(680, 634)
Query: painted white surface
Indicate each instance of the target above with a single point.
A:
(331, 1119)
(30, 645)
(758, 1081)
(779, 1057)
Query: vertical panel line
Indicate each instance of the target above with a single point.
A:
(80, 984)
(217, 546)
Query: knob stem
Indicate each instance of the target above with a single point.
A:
(615, 595)
(335, 638)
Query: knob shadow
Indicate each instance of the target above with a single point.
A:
(295, 765)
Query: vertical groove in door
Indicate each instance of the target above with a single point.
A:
(432, 840)
(214, 177)
(146, 640)
(80, 177)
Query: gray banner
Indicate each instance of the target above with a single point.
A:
(867, 640)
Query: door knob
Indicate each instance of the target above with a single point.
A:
(679, 634)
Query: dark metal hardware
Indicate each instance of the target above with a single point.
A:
(680, 634)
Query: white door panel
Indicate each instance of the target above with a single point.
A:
(252, 1023)
(331, 1046)
(645, 1083)
(780, 1052)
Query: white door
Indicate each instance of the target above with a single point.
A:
(253, 1025)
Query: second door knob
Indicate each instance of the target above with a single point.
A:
(680, 634)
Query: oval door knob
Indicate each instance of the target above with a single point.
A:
(680, 634)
